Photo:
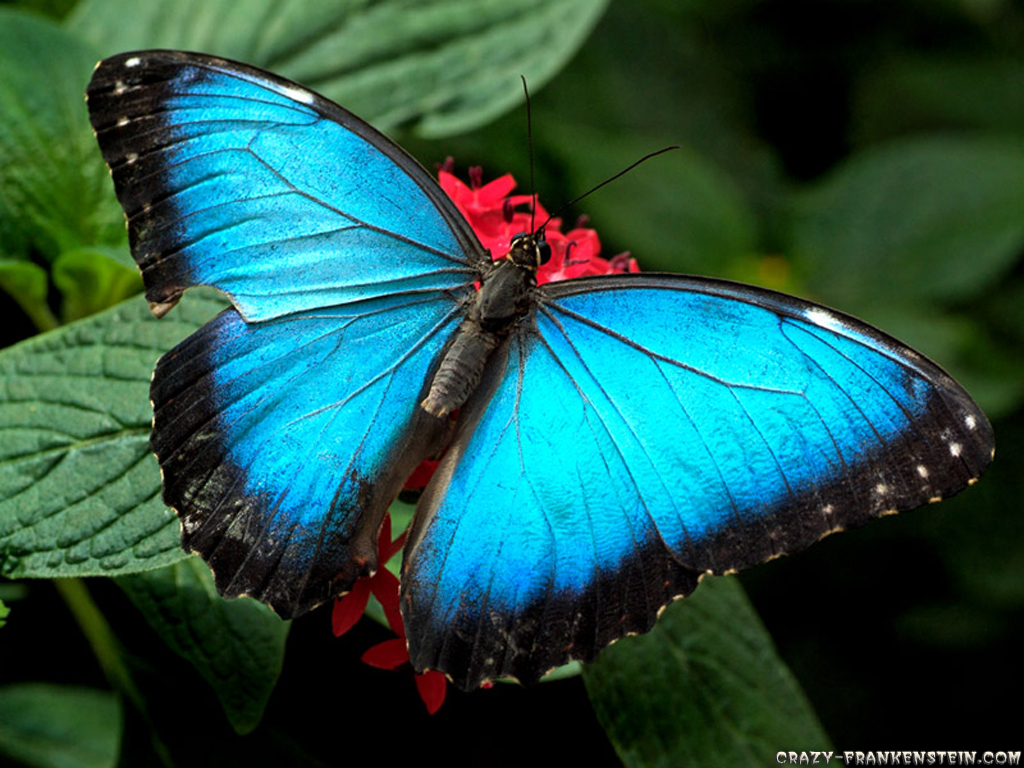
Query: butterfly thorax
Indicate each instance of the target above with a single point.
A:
(504, 298)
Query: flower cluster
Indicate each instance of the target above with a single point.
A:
(491, 210)
(383, 585)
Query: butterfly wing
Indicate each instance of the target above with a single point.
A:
(282, 443)
(645, 430)
(232, 177)
(286, 426)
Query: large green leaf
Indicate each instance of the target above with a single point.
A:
(447, 65)
(677, 212)
(52, 726)
(27, 282)
(920, 219)
(703, 688)
(915, 92)
(79, 489)
(92, 279)
(236, 645)
(55, 194)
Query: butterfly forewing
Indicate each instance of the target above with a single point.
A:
(235, 178)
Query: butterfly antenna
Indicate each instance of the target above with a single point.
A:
(529, 144)
(609, 180)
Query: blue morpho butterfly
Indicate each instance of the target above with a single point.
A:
(617, 437)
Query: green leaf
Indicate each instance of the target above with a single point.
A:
(698, 95)
(92, 279)
(53, 8)
(446, 66)
(926, 219)
(703, 688)
(913, 93)
(79, 489)
(26, 283)
(677, 212)
(236, 645)
(55, 194)
(4, 613)
(52, 726)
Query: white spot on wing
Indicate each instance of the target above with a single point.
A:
(131, 157)
(122, 121)
(881, 489)
(298, 94)
(922, 470)
(134, 61)
(970, 422)
(954, 449)
(823, 318)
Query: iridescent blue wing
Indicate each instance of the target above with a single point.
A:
(282, 443)
(644, 430)
(286, 426)
(232, 177)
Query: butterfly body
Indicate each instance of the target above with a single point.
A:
(506, 297)
(616, 437)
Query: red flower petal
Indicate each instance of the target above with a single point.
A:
(453, 186)
(384, 536)
(432, 687)
(386, 553)
(349, 608)
(383, 585)
(491, 194)
(421, 475)
(385, 589)
(390, 654)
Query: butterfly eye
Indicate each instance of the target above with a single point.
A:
(543, 252)
(517, 243)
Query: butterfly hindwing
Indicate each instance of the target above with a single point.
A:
(285, 427)
(281, 452)
(646, 429)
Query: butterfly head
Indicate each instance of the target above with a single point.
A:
(529, 251)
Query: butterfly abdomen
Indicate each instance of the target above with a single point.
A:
(503, 299)
(460, 370)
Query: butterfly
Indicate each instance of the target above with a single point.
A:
(609, 439)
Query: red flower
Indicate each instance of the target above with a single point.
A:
(383, 585)
(421, 475)
(491, 211)
(390, 654)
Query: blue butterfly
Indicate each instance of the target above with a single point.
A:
(616, 437)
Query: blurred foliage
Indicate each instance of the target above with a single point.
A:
(54, 725)
(683, 726)
(863, 153)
